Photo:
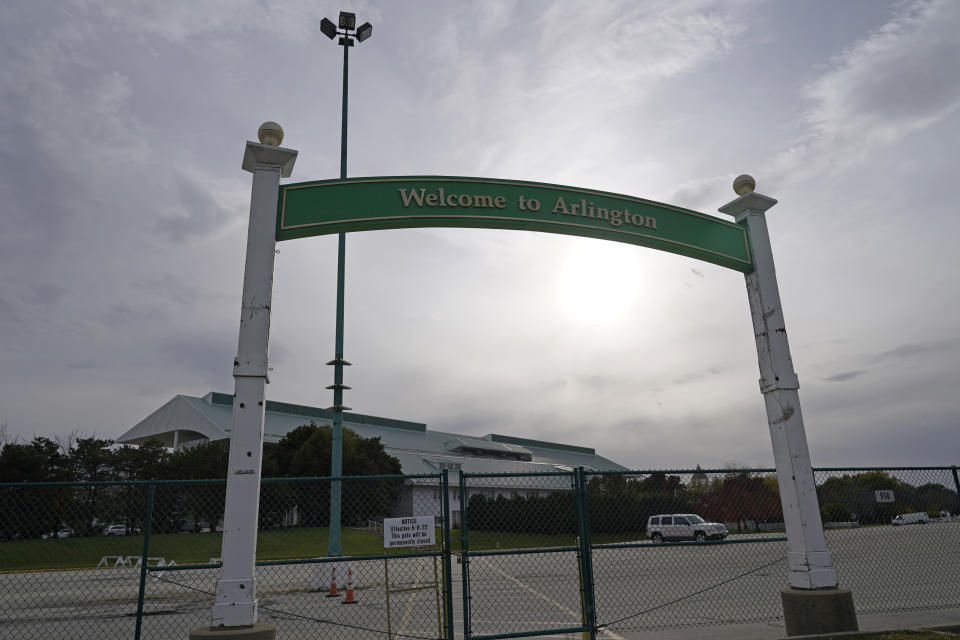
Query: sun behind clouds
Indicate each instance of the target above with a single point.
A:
(598, 282)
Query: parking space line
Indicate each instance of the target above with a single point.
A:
(562, 607)
(409, 608)
(542, 596)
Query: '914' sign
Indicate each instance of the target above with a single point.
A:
(884, 495)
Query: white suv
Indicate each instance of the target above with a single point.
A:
(684, 526)
(115, 530)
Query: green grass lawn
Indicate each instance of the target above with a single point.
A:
(272, 544)
(484, 540)
(487, 540)
(184, 548)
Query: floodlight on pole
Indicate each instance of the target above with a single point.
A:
(348, 32)
(364, 32)
(348, 20)
(328, 28)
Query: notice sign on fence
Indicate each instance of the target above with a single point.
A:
(408, 532)
(884, 495)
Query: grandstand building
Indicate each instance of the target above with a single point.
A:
(187, 420)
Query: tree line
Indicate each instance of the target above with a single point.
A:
(194, 505)
(617, 503)
(621, 503)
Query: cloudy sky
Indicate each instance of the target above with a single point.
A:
(123, 212)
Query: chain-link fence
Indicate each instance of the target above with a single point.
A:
(894, 535)
(57, 540)
(686, 548)
(521, 554)
(515, 554)
(132, 560)
(581, 551)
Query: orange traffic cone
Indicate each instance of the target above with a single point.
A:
(350, 599)
(333, 584)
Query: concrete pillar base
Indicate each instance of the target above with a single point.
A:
(814, 611)
(258, 631)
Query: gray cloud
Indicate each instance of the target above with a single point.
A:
(81, 366)
(690, 378)
(119, 315)
(844, 377)
(599, 383)
(206, 357)
(554, 385)
(910, 350)
(45, 293)
(198, 213)
(180, 293)
(880, 89)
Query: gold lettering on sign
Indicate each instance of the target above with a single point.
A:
(582, 208)
(615, 217)
(440, 198)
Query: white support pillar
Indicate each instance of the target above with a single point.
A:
(236, 597)
(809, 563)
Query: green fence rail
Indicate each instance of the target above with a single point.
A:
(584, 551)
(516, 555)
(141, 559)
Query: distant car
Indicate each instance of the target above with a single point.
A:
(910, 518)
(115, 530)
(66, 533)
(684, 526)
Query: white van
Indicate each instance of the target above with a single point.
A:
(910, 518)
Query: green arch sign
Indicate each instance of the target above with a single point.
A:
(365, 204)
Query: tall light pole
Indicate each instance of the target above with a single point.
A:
(347, 31)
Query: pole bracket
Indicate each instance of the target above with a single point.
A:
(782, 382)
(250, 368)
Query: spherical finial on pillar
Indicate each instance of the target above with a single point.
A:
(744, 184)
(270, 133)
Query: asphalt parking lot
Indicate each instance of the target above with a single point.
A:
(889, 569)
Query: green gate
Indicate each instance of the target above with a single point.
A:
(583, 551)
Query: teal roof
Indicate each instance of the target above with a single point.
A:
(420, 450)
(321, 414)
